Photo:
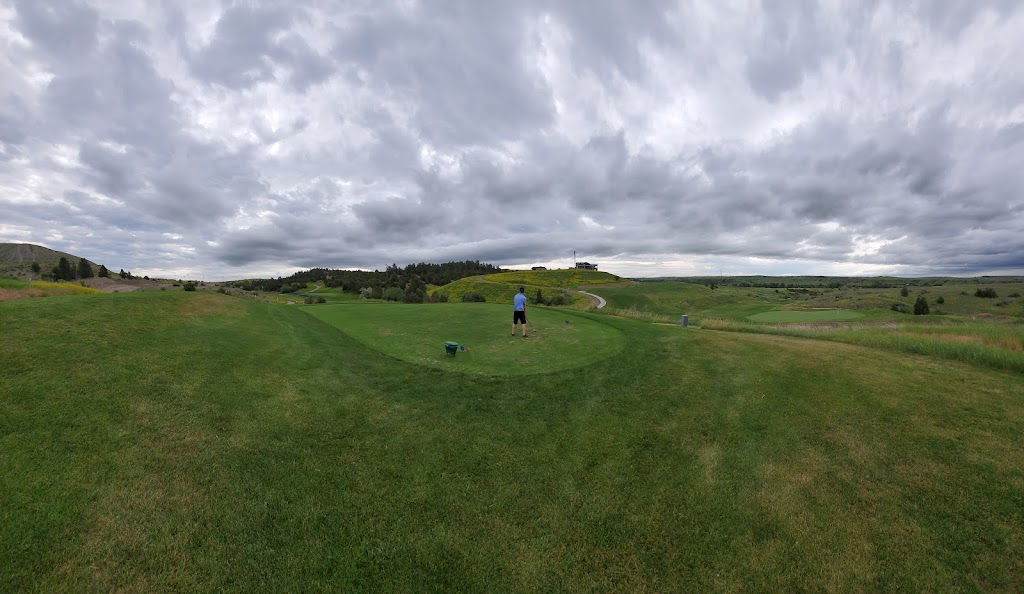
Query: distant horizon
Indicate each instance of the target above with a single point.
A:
(527, 267)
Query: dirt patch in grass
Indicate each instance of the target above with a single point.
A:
(11, 294)
(120, 285)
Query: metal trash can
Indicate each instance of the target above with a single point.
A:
(684, 321)
(451, 348)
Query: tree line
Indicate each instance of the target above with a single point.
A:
(393, 283)
(65, 271)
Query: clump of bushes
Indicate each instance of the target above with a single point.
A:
(987, 292)
(189, 286)
(473, 298)
(940, 300)
(560, 299)
(310, 300)
(900, 307)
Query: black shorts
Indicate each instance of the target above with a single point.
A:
(519, 317)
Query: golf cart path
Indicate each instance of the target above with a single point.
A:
(600, 300)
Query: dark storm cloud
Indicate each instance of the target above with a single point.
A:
(789, 44)
(269, 136)
(249, 41)
(63, 29)
(463, 65)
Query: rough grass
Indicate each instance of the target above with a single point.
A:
(805, 316)
(171, 442)
(16, 289)
(995, 345)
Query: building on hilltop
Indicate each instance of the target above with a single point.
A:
(586, 266)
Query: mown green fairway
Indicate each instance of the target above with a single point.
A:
(417, 333)
(806, 316)
(194, 442)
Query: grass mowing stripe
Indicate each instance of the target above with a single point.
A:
(558, 338)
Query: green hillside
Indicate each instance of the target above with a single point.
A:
(501, 287)
(567, 278)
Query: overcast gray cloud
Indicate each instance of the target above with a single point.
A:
(230, 139)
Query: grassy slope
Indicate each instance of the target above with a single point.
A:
(674, 298)
(195, 442)
(501, 287)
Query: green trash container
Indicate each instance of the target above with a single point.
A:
(451, 348)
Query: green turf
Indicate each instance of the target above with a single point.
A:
(417, 333)
(805, 316)
(194, 442)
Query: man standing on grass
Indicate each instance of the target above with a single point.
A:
(519, 311)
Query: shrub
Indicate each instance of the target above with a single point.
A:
(904, 292)
(189, 286)
(473, 298)
(559, 299)
(393, 294)
(940, 300)
(921, 306)
(1014, 294)
(987, 292)
(365, 293)
(222, 291)
(320, 299)
(900, 307)
(310, 300)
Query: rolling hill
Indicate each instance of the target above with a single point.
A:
(500, 287)
(16, 259)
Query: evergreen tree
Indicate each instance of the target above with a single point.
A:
(103, 273)
(36, 267)
(64, 271)
(84, 269)
(921, 306)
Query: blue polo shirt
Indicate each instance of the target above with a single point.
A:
(520, 302)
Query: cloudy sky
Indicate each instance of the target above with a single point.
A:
(189, 138)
